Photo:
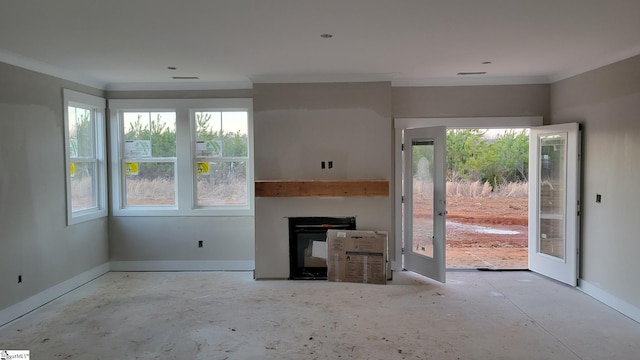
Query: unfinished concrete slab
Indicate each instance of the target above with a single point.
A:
(228, 315)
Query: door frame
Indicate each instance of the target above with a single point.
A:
(400, 124)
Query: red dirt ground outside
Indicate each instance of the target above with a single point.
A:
(472, 247)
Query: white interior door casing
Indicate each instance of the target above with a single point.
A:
(424, 220)
(554, 201)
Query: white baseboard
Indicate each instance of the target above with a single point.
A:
(187, 265)
(26, 306)
(622, 306)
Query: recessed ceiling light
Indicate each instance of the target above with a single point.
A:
(172, 68)
(472, 73)
(326, 36)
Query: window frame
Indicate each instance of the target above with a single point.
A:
(151, 159)
(185, 168)
(97, 106)
(222, 158)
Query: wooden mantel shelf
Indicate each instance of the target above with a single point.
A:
(321, 188)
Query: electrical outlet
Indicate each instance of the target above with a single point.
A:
(330, 164)
(322, 166)
(200, 243)
(19, 279)
(598, 198)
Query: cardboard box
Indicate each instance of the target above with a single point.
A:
(357, 256)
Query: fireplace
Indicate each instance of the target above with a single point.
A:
(303, 231)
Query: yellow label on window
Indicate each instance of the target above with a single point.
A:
(131, 168)
(202, 168)
(72, 169)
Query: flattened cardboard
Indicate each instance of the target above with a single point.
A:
(319, 249)
(310, 260)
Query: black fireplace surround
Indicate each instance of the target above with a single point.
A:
(303, 231)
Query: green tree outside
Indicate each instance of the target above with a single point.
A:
(472, 156)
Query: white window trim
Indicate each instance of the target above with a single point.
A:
(185, 149)
(98, 105)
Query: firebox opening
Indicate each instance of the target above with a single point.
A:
(303, 231)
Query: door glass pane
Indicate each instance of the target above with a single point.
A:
(423, 221)
(551, 236)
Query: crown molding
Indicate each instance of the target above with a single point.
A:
(180, 85)
(471, 80)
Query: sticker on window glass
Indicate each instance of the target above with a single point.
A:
(131, 168)
(202, 168)
(72, 169)
(209, 148)
(137, 148)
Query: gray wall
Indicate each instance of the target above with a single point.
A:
(606, 102)
(157, 239)
(35, 241)
(471, 101)
(299, 125)
(138, 238)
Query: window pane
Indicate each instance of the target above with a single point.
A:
(149, 134)
(208, 134)
(423, 197)
(221, 133)
(221, 183)
(552, 200)
(81, 133)
(150, 183)
(235, 134)
(83, 186)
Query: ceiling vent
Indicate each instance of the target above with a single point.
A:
(472, 73)
(185, 78)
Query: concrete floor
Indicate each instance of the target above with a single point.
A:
(228, 315)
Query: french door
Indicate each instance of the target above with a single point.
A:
(554, 201)
(424, 182)
(554, 179)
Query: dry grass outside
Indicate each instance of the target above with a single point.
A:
(81, 192)
(162, 192)
(480, 189)
(234, 193)
(514, 189)
(157, 191)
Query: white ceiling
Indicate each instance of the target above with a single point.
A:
(128, 44)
